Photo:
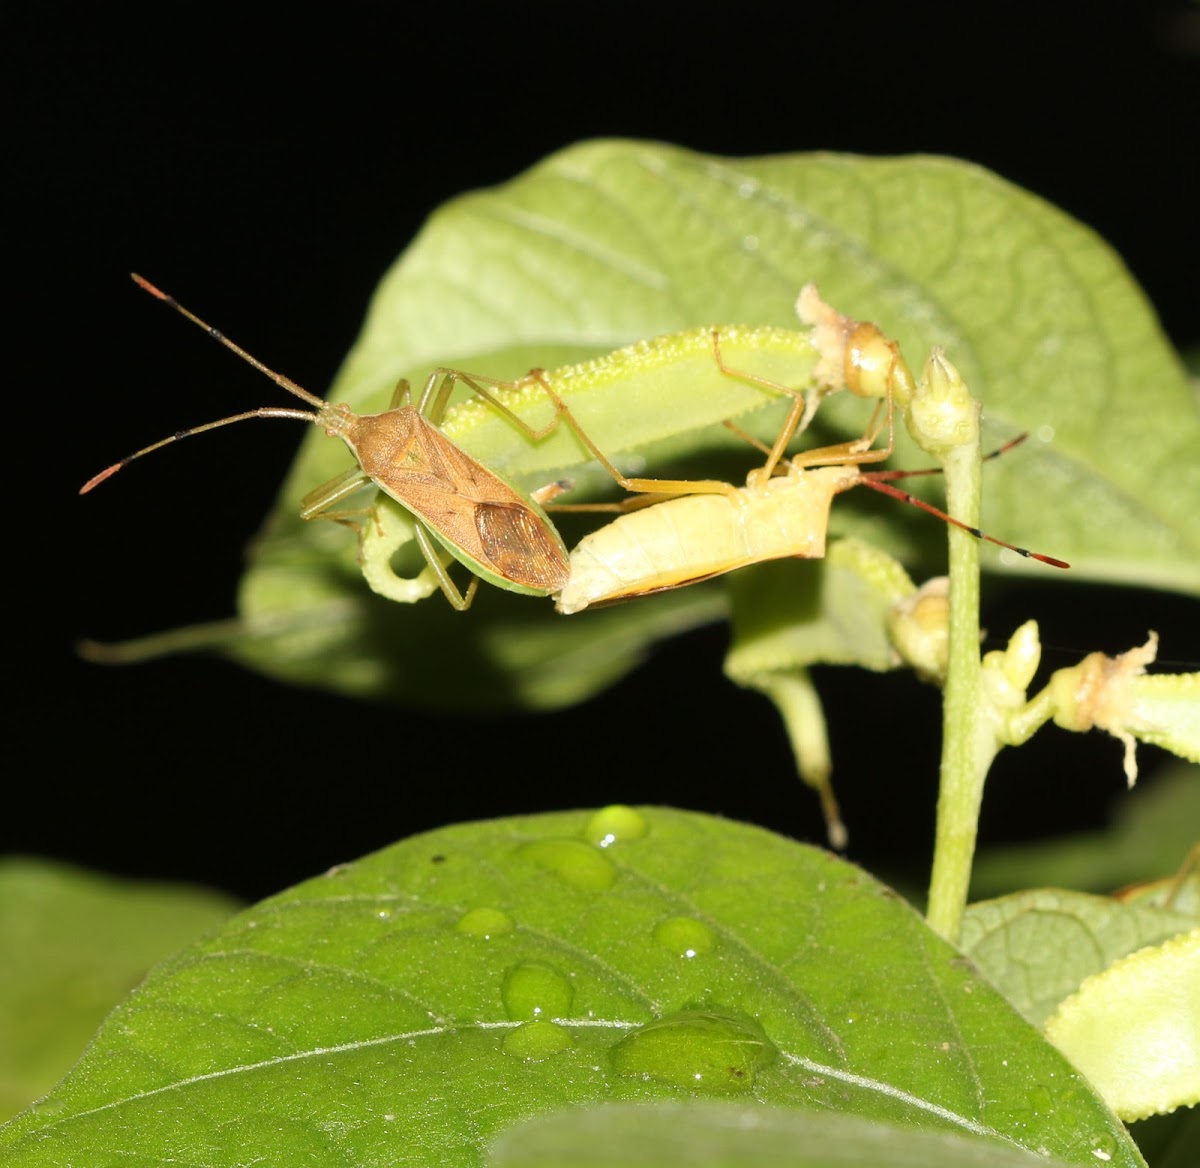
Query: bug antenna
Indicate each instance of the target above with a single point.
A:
(322, 407)
(263, 412)
(279, 379)
(878, 481)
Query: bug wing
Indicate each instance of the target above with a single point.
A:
(475, 514)
(524, 547)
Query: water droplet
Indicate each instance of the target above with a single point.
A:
(573, 861)
(384, 914)
(535, 990)
(1103, 1147)
(51, 1106)
(684, 936)
(1044, 433)
(535, 1041)
(750, 243)
(748, 187)
(485, 923)
(615, 824)
(703, 1050)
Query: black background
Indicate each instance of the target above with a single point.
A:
(267, 171)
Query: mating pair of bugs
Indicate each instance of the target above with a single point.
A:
(506, 537)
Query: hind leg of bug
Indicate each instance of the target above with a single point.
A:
(802, 409)
(441, 382)
(437, 561)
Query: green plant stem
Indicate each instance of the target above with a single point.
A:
(967, 750)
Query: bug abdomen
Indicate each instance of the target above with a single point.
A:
(682, 541)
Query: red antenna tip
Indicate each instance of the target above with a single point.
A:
(96, 480)
(146, 286)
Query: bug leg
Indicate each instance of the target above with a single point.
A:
(859, 450)
(320, 499)
(658, 487)
(321, 502)
(622, 506)
(436, 395)
(400, 395)
(437, 563)
(799, 416)
(551, 491)
(544, 496)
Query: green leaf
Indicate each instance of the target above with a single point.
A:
(74, 944)
(415, 1004)
(1037, 946)
(611, 242)
(728, 1135)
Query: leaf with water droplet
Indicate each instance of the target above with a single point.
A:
(536, 991)
(534, 1042)
(320, 1028)
(684, 935)
(709, 1052)
(614, 824)
(484, 923)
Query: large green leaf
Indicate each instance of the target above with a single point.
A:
(74, 944)
(610, 242)
(412, 1006)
